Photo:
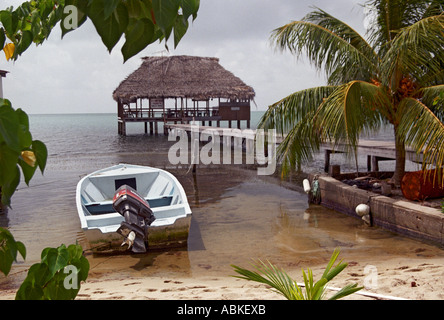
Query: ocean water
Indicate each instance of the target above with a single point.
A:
(237, 215)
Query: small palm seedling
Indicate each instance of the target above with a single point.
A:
(283, 284)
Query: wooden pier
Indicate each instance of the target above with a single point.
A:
(376, 151)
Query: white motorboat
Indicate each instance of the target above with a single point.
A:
(166, 221)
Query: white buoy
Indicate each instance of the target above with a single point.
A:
(366, 219)
(306, 185)
(362, 210)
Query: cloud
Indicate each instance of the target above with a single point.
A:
(77, 74)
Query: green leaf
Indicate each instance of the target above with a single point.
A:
(9, 186)
(25, 137)
(32, 286)
(110, 6)
(75, 252)
(180, 28)
(2, 38)
(110, 29)
(56, 259)
(9, 21)
(28, 291)
(24, 43)
(9, 124)
(21, 249)
(165, 12)
(8, 250)
(41, 154)
(190, 7)
(139, 34)
(28, 171)
(138, 9)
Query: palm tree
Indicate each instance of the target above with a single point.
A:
(393, 76)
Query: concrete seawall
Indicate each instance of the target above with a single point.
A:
(401, 216)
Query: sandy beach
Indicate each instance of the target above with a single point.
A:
(417, 276)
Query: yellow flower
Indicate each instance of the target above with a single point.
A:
(29, 157)
(9, 50)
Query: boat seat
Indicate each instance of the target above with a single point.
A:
(107, 206)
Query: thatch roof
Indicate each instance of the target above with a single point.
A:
(190, 77)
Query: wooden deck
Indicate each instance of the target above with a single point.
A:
(156, 112)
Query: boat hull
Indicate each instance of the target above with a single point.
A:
(159, 237)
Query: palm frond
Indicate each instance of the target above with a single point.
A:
(327, 50)
(393, 15)
(424, 131)
(293, 118)
(434, 98)
(299, 145)
(272, 276)
(286, 113)
(352, 108)
(347, 290)
(416, 51)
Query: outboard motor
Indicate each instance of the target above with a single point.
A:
(138, 217)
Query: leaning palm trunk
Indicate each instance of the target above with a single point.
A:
(394, 78)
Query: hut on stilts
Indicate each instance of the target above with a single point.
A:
(180, 89)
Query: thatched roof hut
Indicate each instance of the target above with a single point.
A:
(197, 78)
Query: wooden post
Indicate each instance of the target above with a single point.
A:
(375, 164)
(334, 171)
(327, 153)
(121, 127)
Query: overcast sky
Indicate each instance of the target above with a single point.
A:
(78, 75)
